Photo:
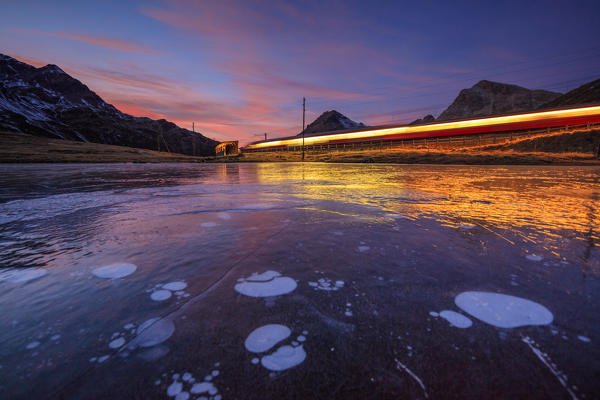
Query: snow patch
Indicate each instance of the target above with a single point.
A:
(283, 358)
(267, 284)
(175, 286)
(115, 271)
(264, 338)
(326, 284)
(152, 332)
(503, 311)
(456, 319)
(115, 344)
(19, 275)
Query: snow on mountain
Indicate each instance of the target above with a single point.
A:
(332, 121)
(49, 102)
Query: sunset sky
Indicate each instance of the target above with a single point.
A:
(241, 68)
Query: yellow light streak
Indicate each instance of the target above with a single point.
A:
(575, 112)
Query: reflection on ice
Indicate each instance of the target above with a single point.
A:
(426, 232)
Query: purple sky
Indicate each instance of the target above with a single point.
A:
(241, 68)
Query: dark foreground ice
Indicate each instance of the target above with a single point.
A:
(272, 281)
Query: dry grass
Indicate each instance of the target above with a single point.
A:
(20, 148)
(574, 148)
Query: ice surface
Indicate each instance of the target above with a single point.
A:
(265, 276)
(395, 216)
(18, 275)
(114, 271)
(182, 396)
(160, 295)
(208, 224)
(503, 311)
(203, 387)
(362, 249)
(154, 353)
(284, 358)
(533, 257)
(175, 286)
(326, 284)
(584, 338)
(267, 284)
(174, 389)
(115, 344)
(152, 332)
(456, 319)
(264, 338)
(32, 345)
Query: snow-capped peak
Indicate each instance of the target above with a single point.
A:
(52, 69)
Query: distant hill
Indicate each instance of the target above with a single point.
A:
(493, 98)
(49, 102)
(585, 94)
(332, 121)
(425, 120)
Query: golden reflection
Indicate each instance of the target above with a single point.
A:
(516, 203)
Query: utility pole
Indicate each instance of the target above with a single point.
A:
(303, 114)
(265, 136)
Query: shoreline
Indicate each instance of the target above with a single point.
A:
(17, 148)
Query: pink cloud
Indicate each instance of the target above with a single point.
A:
(130, 46)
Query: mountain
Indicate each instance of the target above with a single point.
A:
(49, 102)
(494, 98)
(425, 120)
(585, 94)
(332, 121)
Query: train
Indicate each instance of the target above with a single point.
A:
(505, 123)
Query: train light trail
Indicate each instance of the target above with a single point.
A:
(535, 120)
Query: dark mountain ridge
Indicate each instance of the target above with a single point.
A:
(588, 93)
(49, 102)
(488, 98)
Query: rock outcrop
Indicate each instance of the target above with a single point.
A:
(493, 98)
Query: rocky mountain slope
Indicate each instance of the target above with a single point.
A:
(332, 121)
(585, 94)
(494, 98)
(48, 102)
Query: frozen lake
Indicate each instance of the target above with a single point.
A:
(254, 281)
